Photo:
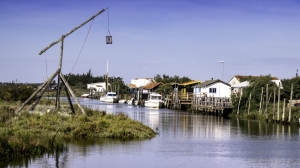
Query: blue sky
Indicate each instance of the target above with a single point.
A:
(172, 37)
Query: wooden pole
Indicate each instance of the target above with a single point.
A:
(55, 42)
(290, 107)
(72, 93)
(69, 100)
(249, 103)
(261, 97)
(238, 111)
(274, 104)
(278, 103)
(40, 95)
(45, 85)
(267, 101)
(283, 111)
(58, 78)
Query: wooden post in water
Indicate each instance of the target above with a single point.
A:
(267, 101)
(290, 107)
(278, 103)
(274, 104)
(249, 103)
(283, 111)
(261, 96)
(238, 111)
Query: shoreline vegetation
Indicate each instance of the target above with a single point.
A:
(45, 130)
(266, 100)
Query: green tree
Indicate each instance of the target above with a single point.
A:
(286, 91)
(165, 88)
(255, 88)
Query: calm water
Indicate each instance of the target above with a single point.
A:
(184, 140)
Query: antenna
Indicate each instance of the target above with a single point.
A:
(106, 82)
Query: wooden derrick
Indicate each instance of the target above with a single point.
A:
(41, 90)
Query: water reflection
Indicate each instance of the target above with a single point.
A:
(185, 140)
(261, 129)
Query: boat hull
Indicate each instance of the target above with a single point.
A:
(110, 97)
(154, 104)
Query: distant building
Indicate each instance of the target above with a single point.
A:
(238, 82)
(98, 87)
(132, 88)
(139, 82)
(151, 87)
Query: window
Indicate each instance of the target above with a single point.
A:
(212, 90)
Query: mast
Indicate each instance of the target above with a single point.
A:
(106, 82)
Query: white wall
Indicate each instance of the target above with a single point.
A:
(222, 90)
(98, 89)
(140, 82)
(233, 81)
(278, 82)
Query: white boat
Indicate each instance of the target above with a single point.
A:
(110, 97)
(86, 95)
(132, 101)
(154, 100)
(123, 101)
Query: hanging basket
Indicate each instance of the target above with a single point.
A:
(108, 39)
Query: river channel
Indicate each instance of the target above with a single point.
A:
(184, 140)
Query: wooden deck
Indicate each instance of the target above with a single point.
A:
(209, 105)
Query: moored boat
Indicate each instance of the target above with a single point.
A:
(86, 95)
(123, 101)
(110, 97)
(154, 100)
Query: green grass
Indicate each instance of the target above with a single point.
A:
(41, 132)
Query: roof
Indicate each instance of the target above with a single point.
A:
(210, 82)
(132, 86)
(152, 85)
(240, 85)
(242, 78)
(192, 82)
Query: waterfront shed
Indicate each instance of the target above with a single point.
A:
(212, 88)
(151, 87)
(186, 87)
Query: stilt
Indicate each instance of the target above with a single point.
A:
(290, 107)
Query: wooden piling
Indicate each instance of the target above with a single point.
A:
(238, 111)
(278, 103)
(274, 104)
(261, 97)
(267, 101)
(290, 107)
(283, 111)
(249, 103)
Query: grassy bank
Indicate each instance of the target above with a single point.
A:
(255, 115)
(42, 132)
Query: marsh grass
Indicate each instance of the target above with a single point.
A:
(254, 115)
(44, 130)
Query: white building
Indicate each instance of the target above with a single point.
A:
(238, 82)
(212, 88)
(237, 88)
(98, 87)
(141, 81)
